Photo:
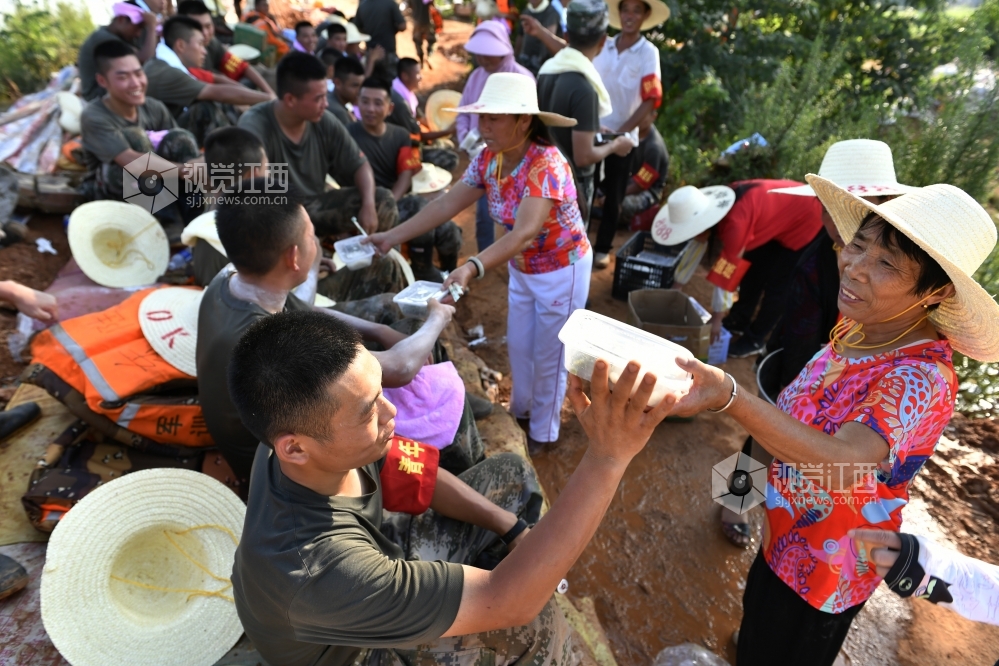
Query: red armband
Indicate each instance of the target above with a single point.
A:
(728, 272)
(645, 176)
(408, 160)
(233, 66)
(409, 476)
(652, 88)
(202, 75)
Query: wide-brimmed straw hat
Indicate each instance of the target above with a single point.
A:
(956, 232)
(490, 38)
(203, 227)
(354, 35)
(70, 109)
(118, 244)
(169, 321)
(689, 211)
(512, 93)
(244, 52)
(137, 572)
(658, 15)
(861, 166)
(438, 101)
(431, 178)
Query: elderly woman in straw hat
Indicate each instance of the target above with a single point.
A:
(851, 431)
(530, 191)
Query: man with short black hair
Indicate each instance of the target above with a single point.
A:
(394, 160)
(272, 245)
(297, 131)
(568, 84)
(190, 92)
(336, 37)
(115, 130)
(348, 75)
(322, 577)
(217, 56)
(306, 38)
(129, 25)
(406, 114)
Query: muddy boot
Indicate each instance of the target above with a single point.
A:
(421, 256)
(481, 408)
(447, 240)
(16, 418)
(13, 577)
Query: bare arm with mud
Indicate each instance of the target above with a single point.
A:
(618, 429)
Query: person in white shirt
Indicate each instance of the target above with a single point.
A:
(629, 67)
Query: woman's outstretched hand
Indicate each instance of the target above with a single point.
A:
(616, 422)
(380, 241)
(460, 276)
(711, 388)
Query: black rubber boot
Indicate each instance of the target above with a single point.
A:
(421, 256)
(14, 419)
(13, 577)
(447, 240)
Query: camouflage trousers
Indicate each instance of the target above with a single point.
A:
(441, 157)
(204, 117)
(508, 481)
(383, 276)
(331, 211)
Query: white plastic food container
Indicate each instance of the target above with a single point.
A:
(413, 299)
(588, 336)
(352, 253)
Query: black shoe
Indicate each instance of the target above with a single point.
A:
(13, 577)
(746, 346)
(535, 447)
(481, 408)
(16, 418)
(734, 326)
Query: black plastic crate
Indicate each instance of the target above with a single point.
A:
(654, 269)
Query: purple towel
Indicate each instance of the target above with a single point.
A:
(430, 406)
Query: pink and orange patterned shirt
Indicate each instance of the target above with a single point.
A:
(907, 397)
(545, 174)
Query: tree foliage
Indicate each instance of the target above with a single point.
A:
(36, 40)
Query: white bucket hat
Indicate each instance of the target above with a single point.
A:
(861, 166)
(203, 227)
(689, 211)
(658, 15)
(512, 93)
(169, 321)
(118, 244)
(137, 573)
(430, 178)
(438, 101)
(956, 232)
(244, 52)
(354, 35)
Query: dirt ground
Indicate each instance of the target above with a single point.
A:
(659, 569)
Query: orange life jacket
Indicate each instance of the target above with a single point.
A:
(106, 358)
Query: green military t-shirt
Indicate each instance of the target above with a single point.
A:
(222, 319)
(402, 116)
(382, 151)
(315, 579)
(214, 52)
(325, 148)
(177, 89)
(101, 128)
(206, 262)
(338, 110)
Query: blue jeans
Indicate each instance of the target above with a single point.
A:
(485, 232)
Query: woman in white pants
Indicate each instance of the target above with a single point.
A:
(529, 187)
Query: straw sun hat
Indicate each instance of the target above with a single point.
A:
(244, 52)
(689, 211)
(70, 108)
(203, 227)
(658, 15)
(438, 101)
(169, 321)
(861, 166)
(118, 244)
(512, 93)
(956, 232)
(137, 573)
(430, 178)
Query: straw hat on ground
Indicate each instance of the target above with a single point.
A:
(689, 211)
(658, 15)
(956, 232)
(430, 178)
(861, 166)
(203, 227)
(118, 244)
(511, 93)
(169, 321)
(70, 108)
(137, 573)
(244, 52)
(438, 101)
